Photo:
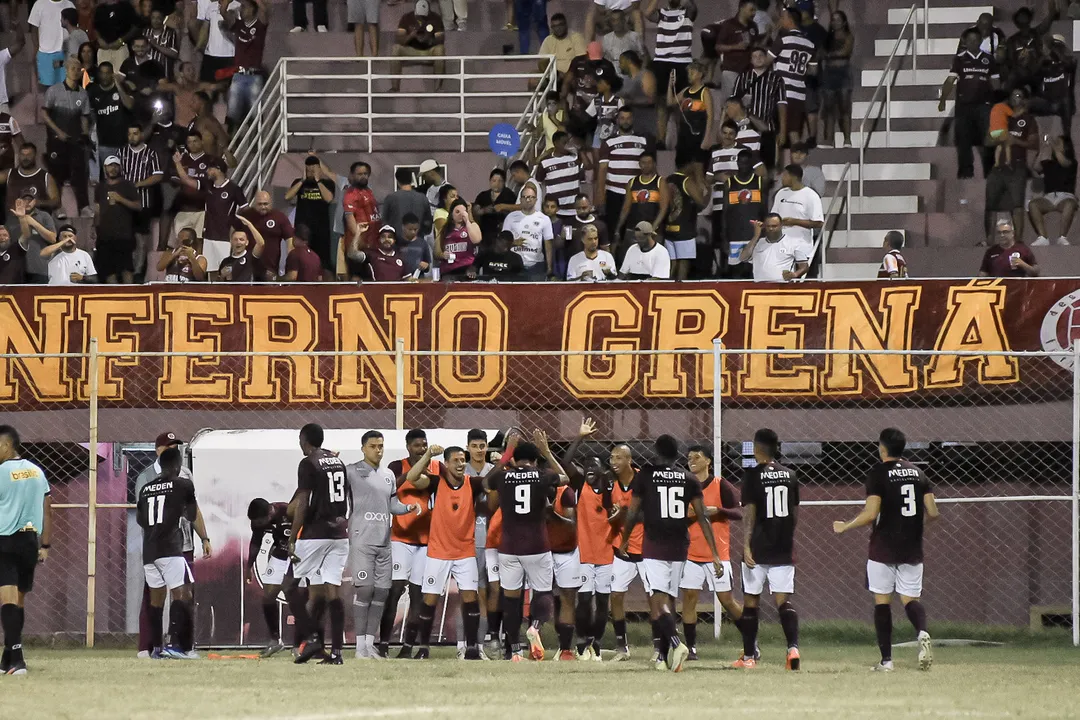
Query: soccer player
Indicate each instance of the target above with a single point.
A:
(721, 507)
(452, 544)
(25, 530)
(478, 465)
(273, 519)
(320, 543)
(160, 506)
(374, 495)
(408, 543)
(770, 494)
(524, 492)
(624, 569)
(899, 501)
(562, 533)
(661, 494)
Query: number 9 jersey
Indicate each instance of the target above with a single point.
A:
(323, 475)
(773, 490)
(666, 493)
(898, 532)
(524, 496)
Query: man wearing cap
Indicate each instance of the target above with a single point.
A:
(68, 263)
(419, 34)
(165, 441)
(224, 199)
(37, 267)
(431, 181)
(382, 264)
(303, 264)
(645, 259)
(116, 204)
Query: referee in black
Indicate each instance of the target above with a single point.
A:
(25, 526)
(975, 75)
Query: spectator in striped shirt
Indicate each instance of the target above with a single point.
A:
(139, 164)
(763, 96)
(617, 166)
(164, 42)
(792, 53)
(674, 52)
(561, 172)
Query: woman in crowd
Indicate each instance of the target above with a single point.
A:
(456, 242)
(447, 195)
(836, 80)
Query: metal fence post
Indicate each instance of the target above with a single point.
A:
(1076, 496)
(399, 384)
(718, 451)
(91, 503)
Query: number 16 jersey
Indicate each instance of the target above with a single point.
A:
(323, 475)
(666, 493)
(773, 490)
(898, 531)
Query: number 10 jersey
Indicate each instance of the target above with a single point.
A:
(773, 490)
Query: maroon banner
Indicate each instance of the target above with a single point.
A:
(983, 315)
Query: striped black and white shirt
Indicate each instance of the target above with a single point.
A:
(726, 160)
(561, 176)
(674, 36)
(137, 164)
(748, 137)
(620, 154)
(762, 94)
(166, 37)
(792, 53)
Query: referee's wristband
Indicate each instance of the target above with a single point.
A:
(45, 546)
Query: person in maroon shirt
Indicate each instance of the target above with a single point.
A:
(731, 42)
(12, 259)
(275, 228)
(1006, 186)
(382, 264)
(189, 206)
(243, 263)
(1010, 257)
(248, 29)
(224, 199)
(303, 264)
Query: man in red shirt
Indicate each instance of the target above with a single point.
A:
(382, 264)
(1010, 257)
(303, 264)
(730, 43)
(360, 208)
(248, 29)
(276, 230)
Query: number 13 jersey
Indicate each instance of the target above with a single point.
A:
(666, 493)
(773, 490)
(897, 535)
(323, 475)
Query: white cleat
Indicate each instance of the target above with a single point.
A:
(143, 655)
(1063, 240)
(622, 654)
(362, 652)
(677, 657)
(926, 651)
(883, 666)
(586, 656)
(297, 29)
(1040, 242)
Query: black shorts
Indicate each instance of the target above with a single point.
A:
(18, 560)
(114, 257)
(210, 66)
(142, 219)
(1005, 190)
(796, 117)
(662, 71)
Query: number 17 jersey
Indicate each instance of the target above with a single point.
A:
(773, 490)
(666, 493)
(323, 475)
(898, 531)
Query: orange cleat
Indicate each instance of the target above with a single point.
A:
(536, 646)
(793, 658)
(748, 663)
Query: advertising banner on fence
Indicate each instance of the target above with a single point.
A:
(987, 315)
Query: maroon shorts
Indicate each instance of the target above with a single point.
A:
(796, 116)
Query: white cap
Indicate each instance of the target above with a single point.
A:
(111, 160)
(422, 7)
(428, 165)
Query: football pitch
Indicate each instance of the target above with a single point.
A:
(1025, 679)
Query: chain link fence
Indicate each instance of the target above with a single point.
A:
(996, 433)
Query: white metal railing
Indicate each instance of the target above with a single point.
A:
(841, 193)
(278, 116)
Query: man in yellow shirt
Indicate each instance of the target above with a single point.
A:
(562, 43)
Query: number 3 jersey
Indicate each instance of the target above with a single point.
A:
(666, 493)
(323, 475)
(897, 535)
(773, 490)
(161, 505)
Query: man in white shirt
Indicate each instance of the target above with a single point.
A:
(6, 54)
(48, 34)
(214, 42)
(645, 259)
(533, 236)
(69, 264)
(777, 258)
(799, 207)
(591, 264)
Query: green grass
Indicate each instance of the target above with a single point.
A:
(1035, 678)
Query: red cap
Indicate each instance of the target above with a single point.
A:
(167, 439)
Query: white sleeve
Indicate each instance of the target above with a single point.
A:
(203, 11)
(799, 249)
(627, 259)
(5, 57)
(90, 264)
(776, 203)
(816, 212)
(661, 264)
(35, 15)
(547, 232)
(508, 223)
(889, 263)
(573, 269)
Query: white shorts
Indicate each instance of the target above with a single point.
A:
(168, 572)
(884, 579)
(196, 220)
(409, 562)
(663, 575)
(567, 569)
(1054, 198)
(514, 568)
(696, 574)
(681, 249)
(595, 578)
(781, 579)
(623, 573)
(321, 561)
(437, 573)
(491, 564)
(274, 571)
(215, 251)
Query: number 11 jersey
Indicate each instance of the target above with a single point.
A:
(773, 490)
(898, 531)
(323, 475)
(666, 493)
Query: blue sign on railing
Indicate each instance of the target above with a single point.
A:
(504, 140)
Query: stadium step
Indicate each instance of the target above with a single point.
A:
(857, 239)
(941, 15)
(938, 46)
(886, 172)
(928, 77)
(909, 109)
(885, 205)
(897, 139)
(851, 271)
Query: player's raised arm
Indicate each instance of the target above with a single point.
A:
(540, 438)
(866, 517)
(577, 478)
(417, 474)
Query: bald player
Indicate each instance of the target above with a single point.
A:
(625, 569)
(276, 230)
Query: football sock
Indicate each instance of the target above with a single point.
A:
(600, 617)
(11, 617)
(389, 616)
(542, 608)
(917, 615)
(304, 627)
(270, 613)
(426, 620)
(658, 644)
(156, 620)
(187, 629)
(789, 620)
(512, 621)
(566, 636)
(883, 628)
(179, 618)
(669, 632)
(295, 598)
(375, 613)
(337, 624)
(361, 609)
(495, 621)
(749, 631)
(318, 611)
(583, 618)
(620, 632)
(690, 629)
(412, 623)
(470, 616)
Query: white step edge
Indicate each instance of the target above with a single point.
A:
(881, 171)
(897, 139)
(858, 238)
(884, 205)
(938, 46)
(940, 15)
(908, 110)
(851, 271)
(906, 78)
(1076, 35)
